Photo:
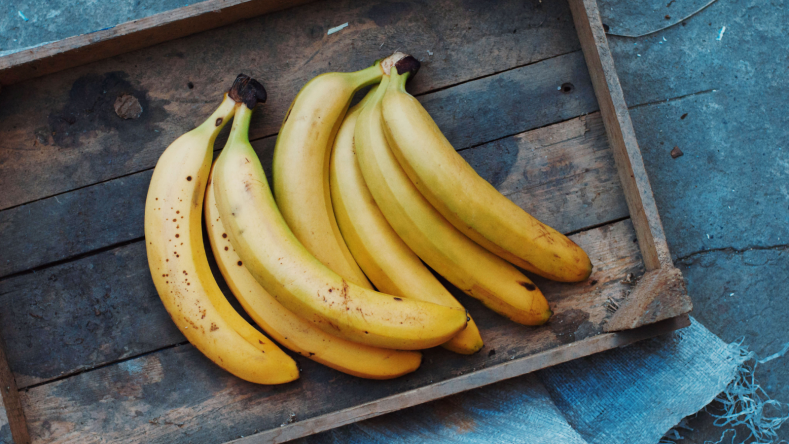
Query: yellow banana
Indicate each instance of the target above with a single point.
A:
(461, 261)
(292, 331)
(301, 166)
(387, 261)
(468, 201)
(178, 263)
(301, 283)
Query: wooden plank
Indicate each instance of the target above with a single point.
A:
(463, 383)
(72, 224)
(176, 395)
(619, 127)
(75, 223)
(659, 294)
(564, 174)
(12, 413)
(525, 166)
(60, 132)
(82, 314)
(136, 34)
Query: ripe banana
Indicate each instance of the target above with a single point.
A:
(301, 166)
(465, 264)
(292, 331)
(178, 263)
(301, 283)
(468, 201)
(382, 255)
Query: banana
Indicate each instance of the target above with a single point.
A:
(461, 261)
(292, 331)
(178, 263)
(468, 201)
(382, 255)
(300, 282)
(301, 166)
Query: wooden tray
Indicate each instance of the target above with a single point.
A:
(91, 355)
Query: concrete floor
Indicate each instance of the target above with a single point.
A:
(723, 102)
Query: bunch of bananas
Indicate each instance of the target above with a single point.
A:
(363, 193)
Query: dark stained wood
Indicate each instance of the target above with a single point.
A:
(81, 314)
(658, 295)
(513, 101)
(563, 173)
(126, 37)
(621, 134)
(13, 414)
(60, 132)
(176, 395)
(74, 223)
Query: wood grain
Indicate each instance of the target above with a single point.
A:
(463, 383)
(82, 314)
(659, 294)
(12, 413)
(60, 132)
(176, 395)
(136, 34)
(74, 223)
(621, 134)
(563, 174)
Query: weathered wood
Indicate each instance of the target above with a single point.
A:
(177, 395)
(74, 223)
(659, 294)
(82, 314)
(60, 132)
(621, 134)
(136, 34)
(462, 383)
(12, 412)
(562, 173)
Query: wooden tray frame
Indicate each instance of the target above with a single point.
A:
(658, 304)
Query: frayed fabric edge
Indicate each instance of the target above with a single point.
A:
(744, 403)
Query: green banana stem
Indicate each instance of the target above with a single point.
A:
(382, 88)
(397, 80)
(239, 133)
(367, 76)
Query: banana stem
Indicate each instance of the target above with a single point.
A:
(397, 80)
(239, 133)
(368, 76)
(382, 87)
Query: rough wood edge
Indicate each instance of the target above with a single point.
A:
(621, 135)
(148, 31)
(12, 401)
(479, 378)
(658, 295)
